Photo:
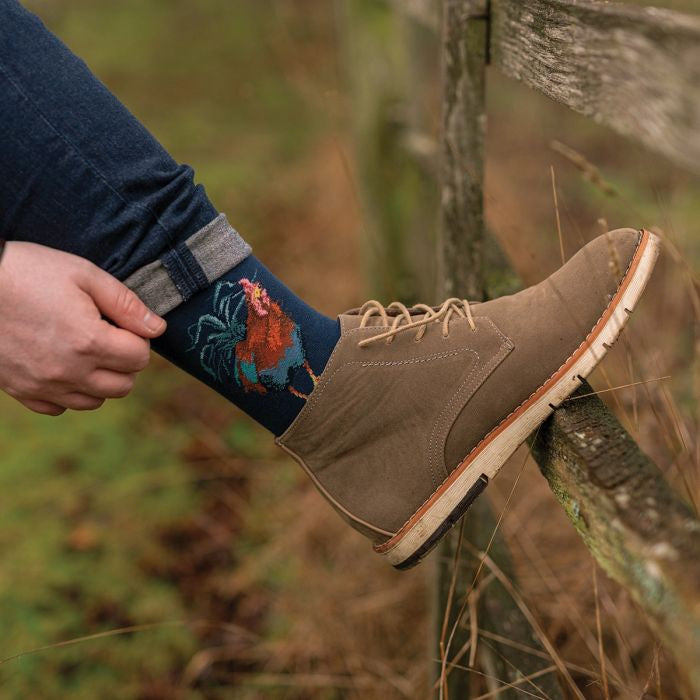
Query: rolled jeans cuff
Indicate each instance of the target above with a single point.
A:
(191, 265)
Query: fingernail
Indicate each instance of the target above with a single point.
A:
(152, 322)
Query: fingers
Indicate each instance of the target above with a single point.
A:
(120, 350)
(81, 402)
(78, 402)
(46, 408)
(103, 383)
(118, 303)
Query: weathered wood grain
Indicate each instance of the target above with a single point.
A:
(634, 69)
(462, 165)
(636, 526)
(464, 274)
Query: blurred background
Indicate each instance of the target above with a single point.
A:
(171, 518)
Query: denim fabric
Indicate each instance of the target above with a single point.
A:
(163, 284)
(78, 172)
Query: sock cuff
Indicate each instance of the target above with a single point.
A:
(189, 266)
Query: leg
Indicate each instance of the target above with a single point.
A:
(250, 338)
(78, 172)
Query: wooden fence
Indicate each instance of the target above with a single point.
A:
(636, 70)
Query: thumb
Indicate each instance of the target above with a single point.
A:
(122, 306)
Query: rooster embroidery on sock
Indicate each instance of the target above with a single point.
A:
(259, 350)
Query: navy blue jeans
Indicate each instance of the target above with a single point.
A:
(78, 172)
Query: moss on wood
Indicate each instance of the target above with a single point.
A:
(639, 529)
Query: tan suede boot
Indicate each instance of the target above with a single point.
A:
(417, 409)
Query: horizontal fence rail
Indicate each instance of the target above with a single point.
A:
(634, 523)
(636, 70)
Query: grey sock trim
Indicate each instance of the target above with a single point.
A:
(217, 248)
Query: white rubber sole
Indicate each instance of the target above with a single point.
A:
(422, 532)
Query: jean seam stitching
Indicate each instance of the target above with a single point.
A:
(173, 266)
(184, 271)
(188, 260)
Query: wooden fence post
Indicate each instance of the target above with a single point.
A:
(598, 59)
(465, 41)
(463, 274)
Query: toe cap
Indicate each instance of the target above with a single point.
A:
(599, 267)
(546, 324)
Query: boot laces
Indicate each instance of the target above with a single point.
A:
(450, 308)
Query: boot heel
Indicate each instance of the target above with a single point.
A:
(447, 524)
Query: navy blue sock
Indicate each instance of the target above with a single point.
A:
(254, 341)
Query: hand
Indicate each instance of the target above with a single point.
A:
(56, 350)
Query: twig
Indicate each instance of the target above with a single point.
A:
(448, 609)
(498, 573)
(90, 637)
(556, 210)
(488, 548)
(599, 630)
(615, 388)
